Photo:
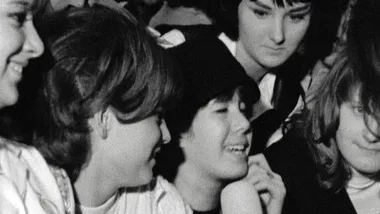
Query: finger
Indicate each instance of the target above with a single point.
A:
(257, 178)
(275, 189)
(256, 172)
(259, 160)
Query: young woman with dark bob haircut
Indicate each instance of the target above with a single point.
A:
(338, 150)
(100, 115)
(207, 159)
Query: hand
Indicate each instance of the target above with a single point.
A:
(268, 184)
(240, 197)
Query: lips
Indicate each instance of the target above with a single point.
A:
(275, 48)
(156, 149)
(238, 149)
(18, 67)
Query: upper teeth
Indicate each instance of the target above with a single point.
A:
(16, 67)
(236, 148)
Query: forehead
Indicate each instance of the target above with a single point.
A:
(233, 96)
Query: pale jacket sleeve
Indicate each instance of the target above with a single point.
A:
(10, 200)
(27, 184)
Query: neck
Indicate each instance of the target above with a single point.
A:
(93, 186)
(197, 188)
(179, 16)
(359, 180)
(254, 70)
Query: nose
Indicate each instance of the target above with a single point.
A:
(372, 130)
(166, 137)
(33, 44)
(277, 31)
(241, 123)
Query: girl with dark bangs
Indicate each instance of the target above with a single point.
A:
(338, 148)
(275, 41)
(208, 157)
(101, 111)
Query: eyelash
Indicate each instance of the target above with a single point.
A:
(222, 110)
(242, 108)
(19, 17)
(260, 13)
(358, 109)
(297, 17)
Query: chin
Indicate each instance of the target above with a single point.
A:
(10, 98)
(368, 167)
(236, 173)
(146, 178)
(273, 63)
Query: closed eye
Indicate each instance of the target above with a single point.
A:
(298, 17)
(20, 18)
(260, 13)
(222, 110)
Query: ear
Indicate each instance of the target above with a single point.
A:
(102, 121)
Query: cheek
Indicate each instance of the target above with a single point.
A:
(210, 132)
(11, 41)
(296, 33)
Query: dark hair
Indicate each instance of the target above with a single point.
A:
(102, 58)
(179, 121)
(320, 35)
(363, 38)
(352, 71)
(323, 122)
(210, 72)
(209, 7)
(229, 18)
(13, 119)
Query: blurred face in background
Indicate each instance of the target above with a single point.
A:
(19, 42)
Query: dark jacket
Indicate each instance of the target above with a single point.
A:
(292, 159)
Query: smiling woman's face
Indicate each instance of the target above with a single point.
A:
(219, 139)
(19, 42)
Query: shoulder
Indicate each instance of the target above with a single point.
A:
(24, 171)
(170, 201)
(157, 197)
(240, 197)
(15, 158)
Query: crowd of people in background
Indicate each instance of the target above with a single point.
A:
(190, 106)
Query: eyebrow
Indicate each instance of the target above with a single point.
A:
(307, 6)
(20, 3)
(301, 8)
(261, 4)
